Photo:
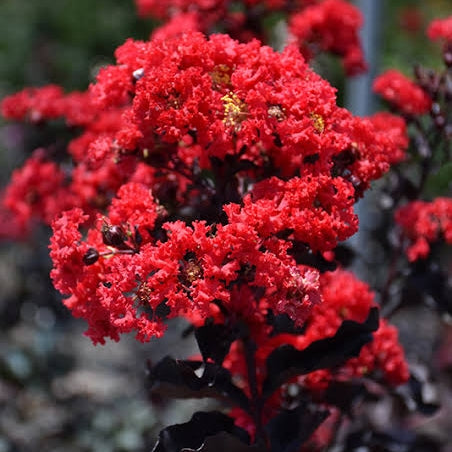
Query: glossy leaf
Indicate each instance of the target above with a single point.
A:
(192, 435)
(291, 428)
(286, 361)
(178, 379)
(214, 340)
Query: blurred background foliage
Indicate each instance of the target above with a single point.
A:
(57, 391)
(403, 36)
(63, 41)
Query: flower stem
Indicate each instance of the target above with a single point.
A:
(256, 400)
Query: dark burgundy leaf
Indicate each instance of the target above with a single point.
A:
(177, 379)
(286, 361)
(345, 395)
(282, 323)
(344, 255)
(214, 340)
(225, 442)
(192, 435)
(427, 279)
(291, 428)
(305, 256)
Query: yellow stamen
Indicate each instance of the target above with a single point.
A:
(143, 293)
(220, 75)
(234, 110)
(319, 122)
(193, 271)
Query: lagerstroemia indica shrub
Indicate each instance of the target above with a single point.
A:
(213, 180)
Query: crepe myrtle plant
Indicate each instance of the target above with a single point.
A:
(215, 180)
(417, 194)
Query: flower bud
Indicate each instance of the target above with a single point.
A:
(91, 256)
(113, 235)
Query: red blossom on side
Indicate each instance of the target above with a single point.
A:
(373, 147)
(48, 102)
(392, 130)
(440, 29)
(402, 93)
(36, 191)
(424, 223)
(332, 25)
(36, 103)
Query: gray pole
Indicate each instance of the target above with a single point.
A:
(361, 102)
(359, 98)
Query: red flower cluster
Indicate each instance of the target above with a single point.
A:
(345, 297)
(121, 279)
(238, 145)
(181, 105)
(402, 93)
(276, 206)
(48, 102)
(41, 189)
(97, 289)
(324, 25)
(440, 29)
(333, 26)
(36, 191)
(424, 223)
